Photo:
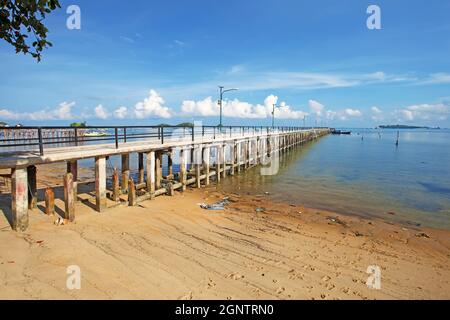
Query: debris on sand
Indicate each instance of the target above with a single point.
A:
(422, 235)
(220, 205)
(336, 220)
(60, 221)
(259, 210)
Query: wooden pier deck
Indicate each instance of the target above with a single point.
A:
(233, 151)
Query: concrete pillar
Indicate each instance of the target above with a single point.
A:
(100, 183)
(72, 167)
(206, 163)
(151, 175)
(247, 154)
(239, 156)
(141, 167)
(32, 187)
(223, 158)
(19, 195)
(183, 168)
(232, 157)
(218, 159)
(197, 161)
(69, 200)
(125, 172)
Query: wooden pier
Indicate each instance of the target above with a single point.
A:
(202, 156)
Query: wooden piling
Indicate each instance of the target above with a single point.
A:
(19, 197)
(49, 201)
(115, 185)
(125, 172)
(131, 193)
(100, 183)
(72, 167)
(170, 189)
(69, 201)
(141, 167)
(170, 164)
(183, 168)
(32, 187)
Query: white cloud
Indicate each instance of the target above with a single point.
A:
(437, 78)
(153, 105)
(432, 112)
(352, 112)
(62, 112)
(240, 109)
(101, 112)
(121, 112)
(376, 110)
(316, 107)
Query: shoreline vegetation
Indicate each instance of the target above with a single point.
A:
(170, 248)
(401, 126)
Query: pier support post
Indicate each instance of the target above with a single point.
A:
(239, 156)
(183, 168)
(131, 193)
(141, 168)
(32, 187)
(206, 162)
(247, 154)
(72, 167)
(100, 183)
(223, 159)
(198, 164)
(125, 172)
(19, 195)
(232, 157)
(170, 164)
(49, 201)
(115, 185)
(218, 159)
(69, 200)
(158, 169)
(151, 177)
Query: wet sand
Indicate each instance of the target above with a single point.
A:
(170, 248)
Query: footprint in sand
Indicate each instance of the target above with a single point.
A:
(187, 296)
(281, 290)
(234, 276)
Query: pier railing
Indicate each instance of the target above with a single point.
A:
(17, 139)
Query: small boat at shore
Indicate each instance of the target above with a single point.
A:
(334, 131)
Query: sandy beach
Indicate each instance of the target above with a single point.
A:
(170, 248)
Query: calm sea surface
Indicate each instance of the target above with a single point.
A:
(364, 174)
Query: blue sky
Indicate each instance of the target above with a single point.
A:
(148, 62)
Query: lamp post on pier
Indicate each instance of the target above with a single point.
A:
(273, 114)
(221, 92)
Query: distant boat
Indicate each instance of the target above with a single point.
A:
(100, 133)
(334, 131)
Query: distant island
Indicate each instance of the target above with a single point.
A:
(402, 126)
